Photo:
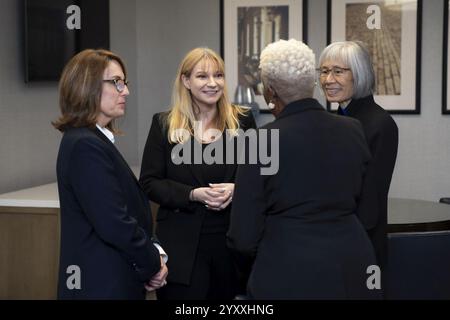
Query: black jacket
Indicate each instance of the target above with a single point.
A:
(105, 220)
(179, 220)
(304, 224)
(382, 137)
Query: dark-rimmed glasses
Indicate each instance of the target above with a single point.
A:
(118, 83)
(336, 71)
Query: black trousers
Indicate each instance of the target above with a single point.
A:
(213, 276)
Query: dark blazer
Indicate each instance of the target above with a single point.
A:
(179, 220)
(301, 224)
(105, 220)
(382, 136)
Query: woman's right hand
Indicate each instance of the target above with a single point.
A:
(212, 197)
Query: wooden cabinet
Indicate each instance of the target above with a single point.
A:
(29, 252)
(30, 233)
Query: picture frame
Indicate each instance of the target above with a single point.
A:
(247, 27)
(445, 61)
(395, 46)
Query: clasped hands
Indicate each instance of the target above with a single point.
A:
(159, 279)
(215, 197)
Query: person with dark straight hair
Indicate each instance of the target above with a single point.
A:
(107, 250)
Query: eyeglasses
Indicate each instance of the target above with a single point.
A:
(336, 71)
(119, 83)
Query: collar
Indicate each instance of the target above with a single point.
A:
(344, 104)
(300, 106)
(355, 105)
(106, 132)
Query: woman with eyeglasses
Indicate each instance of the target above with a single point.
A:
(107, 250)
(347, 78)
(188, 170)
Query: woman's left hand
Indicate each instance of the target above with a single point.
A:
(227, 189)
(159, 279)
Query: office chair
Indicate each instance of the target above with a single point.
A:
(419, 265)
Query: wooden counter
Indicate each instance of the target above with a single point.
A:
(29, 237)
(29, 243)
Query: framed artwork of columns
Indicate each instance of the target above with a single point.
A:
(247, 27)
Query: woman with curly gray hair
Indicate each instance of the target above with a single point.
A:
(301, 224)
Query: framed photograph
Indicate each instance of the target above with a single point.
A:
(391, 30)
(247, 27)
(445, 62)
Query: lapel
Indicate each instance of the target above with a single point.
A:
(100, 134)
(197, 174)
(357, 106)
(194, 169)
(230, 171)
(231, 168)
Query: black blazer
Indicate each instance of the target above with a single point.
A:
(105, 220)
(302, 224)
(382, 136)
(179, 220)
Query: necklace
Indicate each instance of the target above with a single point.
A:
(203, 135)
(208, 139)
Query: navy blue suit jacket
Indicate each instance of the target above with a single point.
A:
(105, 220)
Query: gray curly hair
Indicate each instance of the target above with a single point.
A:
(288, 67)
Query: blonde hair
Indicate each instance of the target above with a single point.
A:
(182, 116)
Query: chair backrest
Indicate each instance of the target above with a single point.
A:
(419, 265)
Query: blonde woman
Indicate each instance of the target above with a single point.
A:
(195, 193)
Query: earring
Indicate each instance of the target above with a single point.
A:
(271, 105)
